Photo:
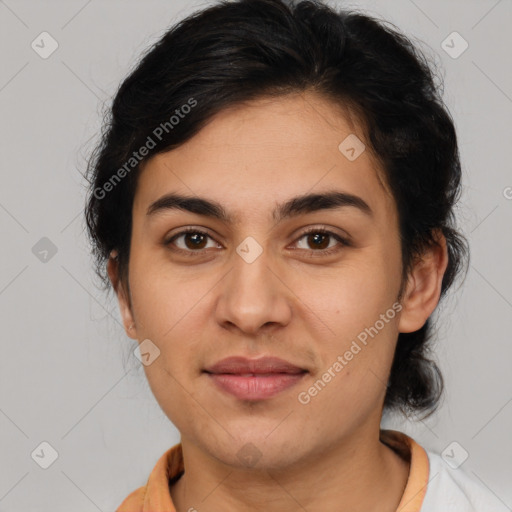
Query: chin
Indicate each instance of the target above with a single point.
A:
(259, 450)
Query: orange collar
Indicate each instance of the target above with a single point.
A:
(155, 495)
(416, 486)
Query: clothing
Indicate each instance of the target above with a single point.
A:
(432, 485)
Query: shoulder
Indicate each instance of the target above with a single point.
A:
(134, 501)
(455, 490)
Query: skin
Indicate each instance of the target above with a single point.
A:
(325, 455)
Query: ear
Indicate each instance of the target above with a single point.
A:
(122, 296)
(424, 286)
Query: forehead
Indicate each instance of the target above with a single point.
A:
(250, 156)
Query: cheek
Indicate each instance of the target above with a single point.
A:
(355, 363)
(163, 298)
(351, 297)
(168, 312)
(358, 305)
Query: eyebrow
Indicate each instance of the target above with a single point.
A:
(295, 206)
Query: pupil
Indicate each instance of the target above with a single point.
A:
(316, 236)
(196, 237)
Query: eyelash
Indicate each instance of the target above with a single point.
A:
(312, 253)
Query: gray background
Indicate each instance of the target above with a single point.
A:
(65, 377)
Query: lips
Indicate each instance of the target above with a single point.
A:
(254, 379)
(264, 366)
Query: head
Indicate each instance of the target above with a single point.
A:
(287, 119)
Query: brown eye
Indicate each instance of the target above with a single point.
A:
(190, 241)
(318, 240)
(194, 240)
(322, 241)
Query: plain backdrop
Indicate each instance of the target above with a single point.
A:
(65, 378)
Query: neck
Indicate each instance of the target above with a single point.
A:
(355, 475)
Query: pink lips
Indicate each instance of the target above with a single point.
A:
(254, 379)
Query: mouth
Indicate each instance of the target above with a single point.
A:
(254, 379)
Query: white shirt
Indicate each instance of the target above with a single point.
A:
(455, 490)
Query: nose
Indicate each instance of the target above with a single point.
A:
(253, 296)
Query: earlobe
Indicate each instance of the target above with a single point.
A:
(424, 286)
(122, 297)
(112, 269)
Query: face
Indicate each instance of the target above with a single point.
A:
(311, 284)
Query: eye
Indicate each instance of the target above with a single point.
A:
(320, 239)
(193, 242)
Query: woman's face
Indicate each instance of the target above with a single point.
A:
(258, 285)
